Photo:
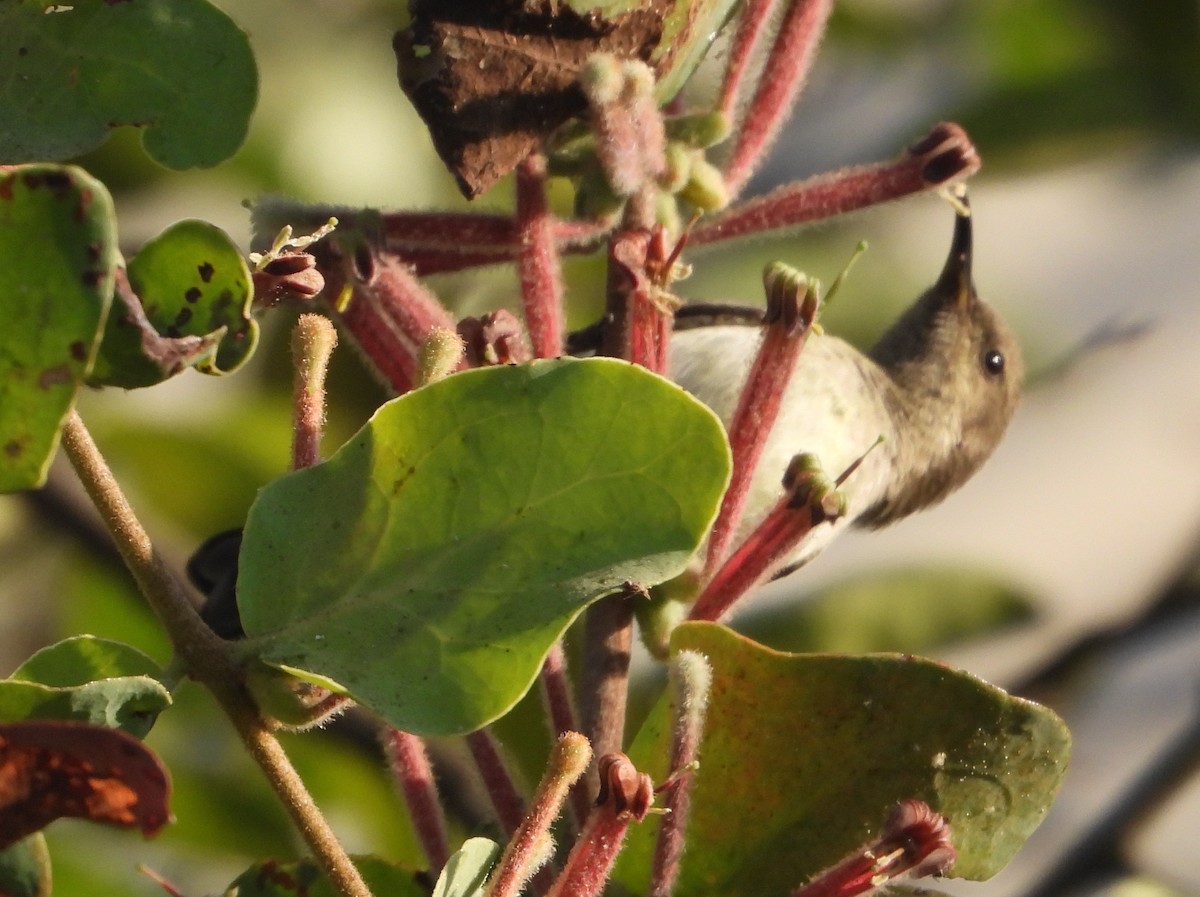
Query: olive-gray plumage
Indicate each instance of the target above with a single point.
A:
(940, 386)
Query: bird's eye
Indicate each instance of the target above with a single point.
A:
(993, 362)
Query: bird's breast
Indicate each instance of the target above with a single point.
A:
(833, 408)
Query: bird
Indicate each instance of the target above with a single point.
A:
(940, 387)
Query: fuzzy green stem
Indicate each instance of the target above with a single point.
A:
(691, 683)
(313, 342)
(440, 356)
(526, 849)
(207, 657)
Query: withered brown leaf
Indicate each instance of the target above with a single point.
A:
(54, 768)
(491, 79)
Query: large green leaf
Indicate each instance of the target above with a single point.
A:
(910, 609)
(804, 755)
(429, 565)
(71, 72)
(195, 292)
(58, 260)
(89, 680)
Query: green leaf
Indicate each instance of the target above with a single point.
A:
(83, 658)
(58, 260)
(304, 879)
(72, 72)
(804, 756)
(130, 703)
(25, 868)
(911, 610)
(429, 565)
(195, 292)
(89, 680)
(467, 869)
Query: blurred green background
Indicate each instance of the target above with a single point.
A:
(1087, 116)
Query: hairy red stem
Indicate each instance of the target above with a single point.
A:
(538, 261)
(414, 774)
(784, 73)
(751, 26)
(791, 310)
(560, 710)
(501, 789)
(945, 155)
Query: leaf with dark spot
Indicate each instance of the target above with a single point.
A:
(186, 303)
(58, 258)
(53, 769)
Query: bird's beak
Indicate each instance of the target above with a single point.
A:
(954, 284)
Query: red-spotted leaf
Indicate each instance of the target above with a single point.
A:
(49, 770)
(58, 260)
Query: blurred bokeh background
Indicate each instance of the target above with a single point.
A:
(1069, 570)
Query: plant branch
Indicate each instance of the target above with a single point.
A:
(206, 656)
(751, 26)
(608, 642)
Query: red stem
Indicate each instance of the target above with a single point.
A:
(625, 795)
(560, 709)
(946, 154)
(441, 242)
(410, 764)
(538, 262)
(753, 23)
(590, 861)
(506, 800)
(755, 558)
(787, 66)
(790, 314)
